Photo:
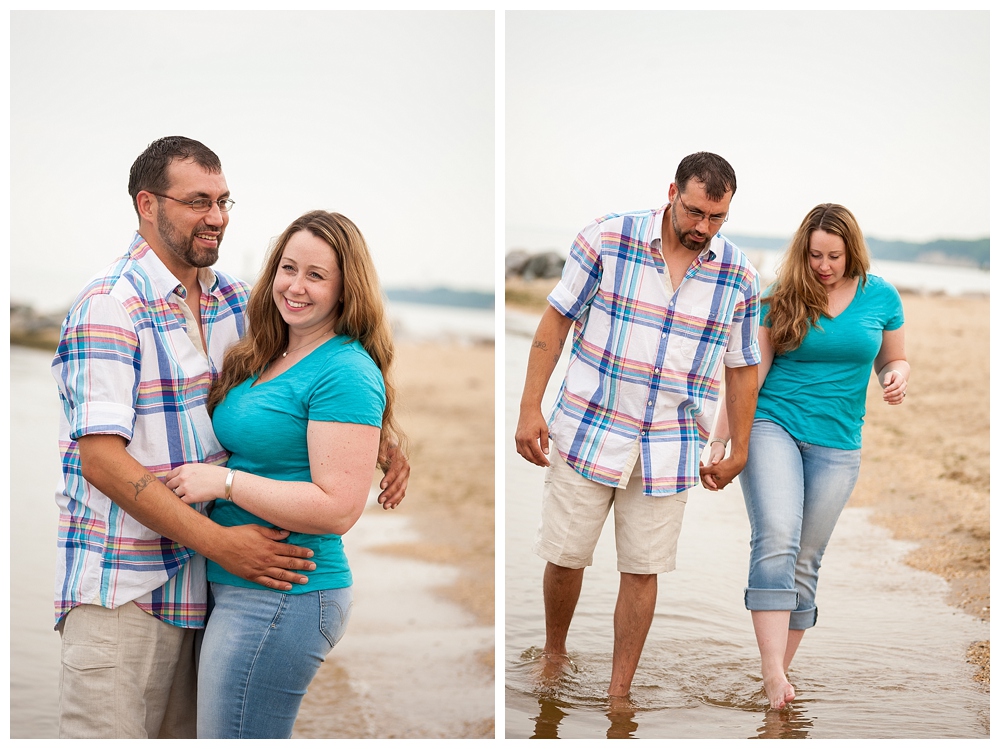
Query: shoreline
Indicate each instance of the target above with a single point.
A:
(418, 659)
(925, 465)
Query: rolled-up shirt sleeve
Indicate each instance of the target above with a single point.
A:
(581, 274)
(97, 368)
(743, 350)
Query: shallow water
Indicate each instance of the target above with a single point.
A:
(886, 660)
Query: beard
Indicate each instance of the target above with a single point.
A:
(685, 237)
(184, 247)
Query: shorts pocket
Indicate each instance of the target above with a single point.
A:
(88, 657)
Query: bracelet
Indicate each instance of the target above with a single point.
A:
(229, 484)
(724, 442)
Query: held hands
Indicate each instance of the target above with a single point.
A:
(197, 482)
(893, 388)
(397, 476)
(532, 438)
(720, 470)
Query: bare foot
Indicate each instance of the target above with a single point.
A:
(553, 666)
(779, 691)
(620, 704)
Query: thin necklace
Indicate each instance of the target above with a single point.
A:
(289, 351)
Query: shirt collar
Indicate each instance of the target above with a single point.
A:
(165, 282)
(655, 237)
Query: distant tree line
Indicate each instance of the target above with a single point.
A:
(442, 296)
(971, 252)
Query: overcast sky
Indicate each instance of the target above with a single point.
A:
(386, 117)
(884, 112)
(389, 118)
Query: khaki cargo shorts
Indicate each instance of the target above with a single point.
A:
(574, 510)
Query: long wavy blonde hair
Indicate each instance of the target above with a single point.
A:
(362, 318)
(798, 299)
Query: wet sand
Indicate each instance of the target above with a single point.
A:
(418, 657)
(925, 469)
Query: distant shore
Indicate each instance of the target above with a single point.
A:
(925, 467)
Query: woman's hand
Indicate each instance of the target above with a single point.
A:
(195, 483)
(894, 387)
(716, 452)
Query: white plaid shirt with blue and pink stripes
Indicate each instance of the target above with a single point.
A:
(645, 366)
(125, 365)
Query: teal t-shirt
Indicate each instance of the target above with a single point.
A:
(264, 429)
(817, 392)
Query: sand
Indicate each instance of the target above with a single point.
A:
(418, 658)
(925, 468)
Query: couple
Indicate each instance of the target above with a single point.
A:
(160, 388)
(661, 302)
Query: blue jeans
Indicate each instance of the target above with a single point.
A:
(261, 650)
(794, 493)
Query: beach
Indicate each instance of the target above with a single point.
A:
(418, 657)
(925, 469)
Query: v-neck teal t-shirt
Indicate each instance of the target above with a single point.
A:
(264, 428)
(817, 392)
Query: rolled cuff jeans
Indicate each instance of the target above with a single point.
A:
(261, 650)
(794, 493)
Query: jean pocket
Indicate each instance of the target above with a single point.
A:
(335, 612)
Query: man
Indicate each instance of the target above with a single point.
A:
(138, 352)
(660, 302)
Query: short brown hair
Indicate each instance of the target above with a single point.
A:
(711, 170)
(149, 171)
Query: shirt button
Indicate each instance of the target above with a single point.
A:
(643, 434)
(663, 335)
(649, 403)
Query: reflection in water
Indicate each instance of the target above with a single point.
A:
(621, 713)
(550, 714)
(790, 723)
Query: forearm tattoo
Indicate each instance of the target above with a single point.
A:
(142, 484)
(545, 347)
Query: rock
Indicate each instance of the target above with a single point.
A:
(529, 266)
(514, 263)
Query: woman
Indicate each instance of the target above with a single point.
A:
(304, 404)
(825, 323)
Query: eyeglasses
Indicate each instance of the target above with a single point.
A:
(201, 205)
(698, 216)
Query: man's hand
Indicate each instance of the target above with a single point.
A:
(255, 553)
(739, 407)
(718, 475)
(397, 476)
(532, 435)
(532, 438)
